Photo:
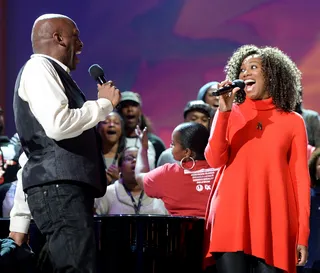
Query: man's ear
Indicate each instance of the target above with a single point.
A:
(58, 38)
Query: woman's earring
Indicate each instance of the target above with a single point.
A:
(185, 158)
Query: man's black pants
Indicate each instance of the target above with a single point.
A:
(63, 212)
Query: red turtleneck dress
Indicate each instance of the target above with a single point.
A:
(260, 200)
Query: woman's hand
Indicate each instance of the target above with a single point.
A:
(226, 100)
(112, 173)
(143, 136)
(302, 255)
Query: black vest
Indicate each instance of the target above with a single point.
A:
(78, 159)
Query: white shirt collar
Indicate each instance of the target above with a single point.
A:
(46, 56)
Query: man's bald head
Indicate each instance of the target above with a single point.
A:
(57, 36)
(44, 28)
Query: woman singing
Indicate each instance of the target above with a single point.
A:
(258, 216)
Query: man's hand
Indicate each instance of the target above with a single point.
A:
(302, 255)
(18, 237)
(110, 92)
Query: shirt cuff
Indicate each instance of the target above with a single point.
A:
(105, 105)
(19, 224)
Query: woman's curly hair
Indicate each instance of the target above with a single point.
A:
(313, 168)
(282, 77)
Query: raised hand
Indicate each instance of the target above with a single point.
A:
(143, 136)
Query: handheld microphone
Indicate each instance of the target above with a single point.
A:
(97, 73)
(226, 89)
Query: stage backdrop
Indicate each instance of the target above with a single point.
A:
(167, 49)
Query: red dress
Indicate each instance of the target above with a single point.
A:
(260, 201)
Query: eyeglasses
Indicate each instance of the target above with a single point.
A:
(129, 158)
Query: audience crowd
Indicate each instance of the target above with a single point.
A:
(164, 183)
(146, 177)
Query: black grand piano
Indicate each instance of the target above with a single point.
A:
(140, 243)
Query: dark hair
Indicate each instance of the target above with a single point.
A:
(299, 107)
(199, 106)
(121, 156)
(122, 139)
(313, 167)
(145, 122)
(282, 77)
(193, 136)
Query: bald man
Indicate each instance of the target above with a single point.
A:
(64, 170)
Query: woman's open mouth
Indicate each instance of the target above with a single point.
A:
(249, 85)
(111, 132)
(130, 118)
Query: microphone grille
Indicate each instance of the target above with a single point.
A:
(239, 83)
(96, 71)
